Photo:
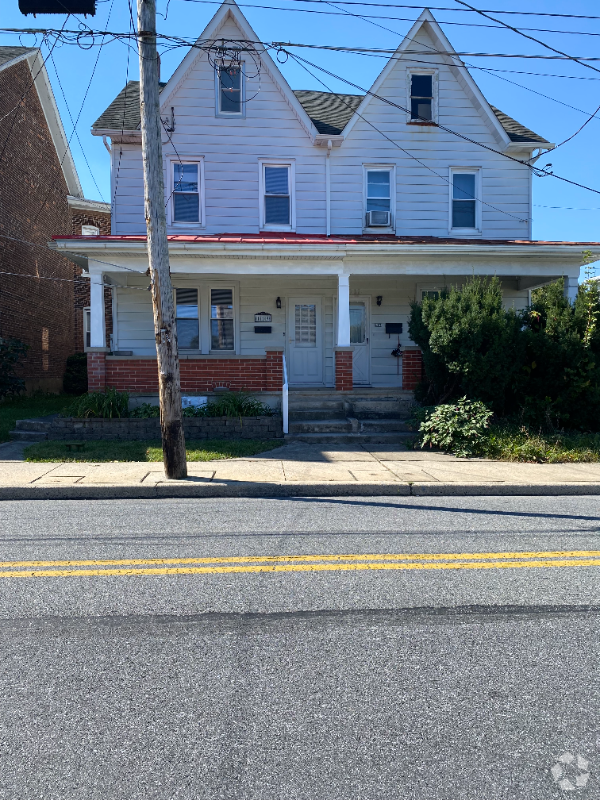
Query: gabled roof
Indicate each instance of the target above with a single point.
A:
(447, 56)
(9, 56)
(325, 113)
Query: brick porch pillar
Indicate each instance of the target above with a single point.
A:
(96, 369)
(274, 368)
(412, 368)
(343, 368)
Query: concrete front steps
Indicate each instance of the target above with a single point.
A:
(30, 430)
(362, 415)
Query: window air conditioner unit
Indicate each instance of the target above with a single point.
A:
(378, 219)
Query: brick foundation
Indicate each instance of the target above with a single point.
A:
(343, 369)
(198, 374)
(96, 367)
(412, 368)
(274, 369)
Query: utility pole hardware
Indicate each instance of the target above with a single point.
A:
(165, 330)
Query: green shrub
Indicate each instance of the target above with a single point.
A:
(108, 404)
(471, 345)
(541, 364)
(75, 380)
(12, 352)
(513, 442)
(232, 404)
(145, 411)
(458, 428)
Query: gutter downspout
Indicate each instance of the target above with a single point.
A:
(106, 144)
(328, 186)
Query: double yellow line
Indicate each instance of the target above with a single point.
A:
(307, 563)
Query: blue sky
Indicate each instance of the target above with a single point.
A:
(576, 160)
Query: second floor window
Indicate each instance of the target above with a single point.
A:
(186, 192)
(230, 90)
(277, 199)
(378, 197)
(186, 309)
(464, 200)
(421, 98)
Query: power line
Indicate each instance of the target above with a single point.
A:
(548, 47)
(386, 17)
(440, 8)
(74, 128)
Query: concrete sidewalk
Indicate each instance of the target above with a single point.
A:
(297, 469)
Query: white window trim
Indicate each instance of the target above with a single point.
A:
(273, 162)
(231, 114)
(236, 319)
(190, 350)
(170, 183)
(391, 168)
(434, 89)
(431, 287)
(476, 231)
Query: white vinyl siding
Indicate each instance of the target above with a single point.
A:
(422, 155)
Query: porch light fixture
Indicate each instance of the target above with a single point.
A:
(278, 302)
(379, 299)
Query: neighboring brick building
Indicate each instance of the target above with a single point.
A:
(39, 196)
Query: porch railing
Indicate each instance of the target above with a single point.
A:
(284, 397)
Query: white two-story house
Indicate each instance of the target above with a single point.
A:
(303, 223)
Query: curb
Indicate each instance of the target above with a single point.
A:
(249, 490)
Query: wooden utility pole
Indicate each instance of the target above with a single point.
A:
(165, 331)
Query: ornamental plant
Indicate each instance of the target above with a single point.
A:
(457, 428)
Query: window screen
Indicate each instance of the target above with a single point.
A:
(221, 319)
(463, 200)
(277, 195)
(186, 305)
(186, 196)
(421, 97)
(230, 90)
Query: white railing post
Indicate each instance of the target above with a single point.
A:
(284, 398)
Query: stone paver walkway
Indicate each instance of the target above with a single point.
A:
(295, 469)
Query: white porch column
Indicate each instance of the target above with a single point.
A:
(343, 311)
(571, 287)
(97, 321)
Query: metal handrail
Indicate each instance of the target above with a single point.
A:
(284, 398)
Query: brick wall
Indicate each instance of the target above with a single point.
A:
(197, 374)
(343, 369)
(412, 368)
(33, 207)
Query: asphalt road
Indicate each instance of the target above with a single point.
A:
(294, 649)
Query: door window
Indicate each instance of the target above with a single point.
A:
(357, 323)
(305, 325)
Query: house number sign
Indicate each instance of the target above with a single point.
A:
(262, 316)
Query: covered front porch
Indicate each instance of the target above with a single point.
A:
(334, 311)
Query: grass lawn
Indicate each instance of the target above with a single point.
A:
(206, 450)
(37, 405)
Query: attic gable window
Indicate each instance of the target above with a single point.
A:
(230, 90)
(422, 97)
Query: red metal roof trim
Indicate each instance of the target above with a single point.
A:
(322, 239)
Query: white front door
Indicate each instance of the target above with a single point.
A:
(359, 340)
(305, 344)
